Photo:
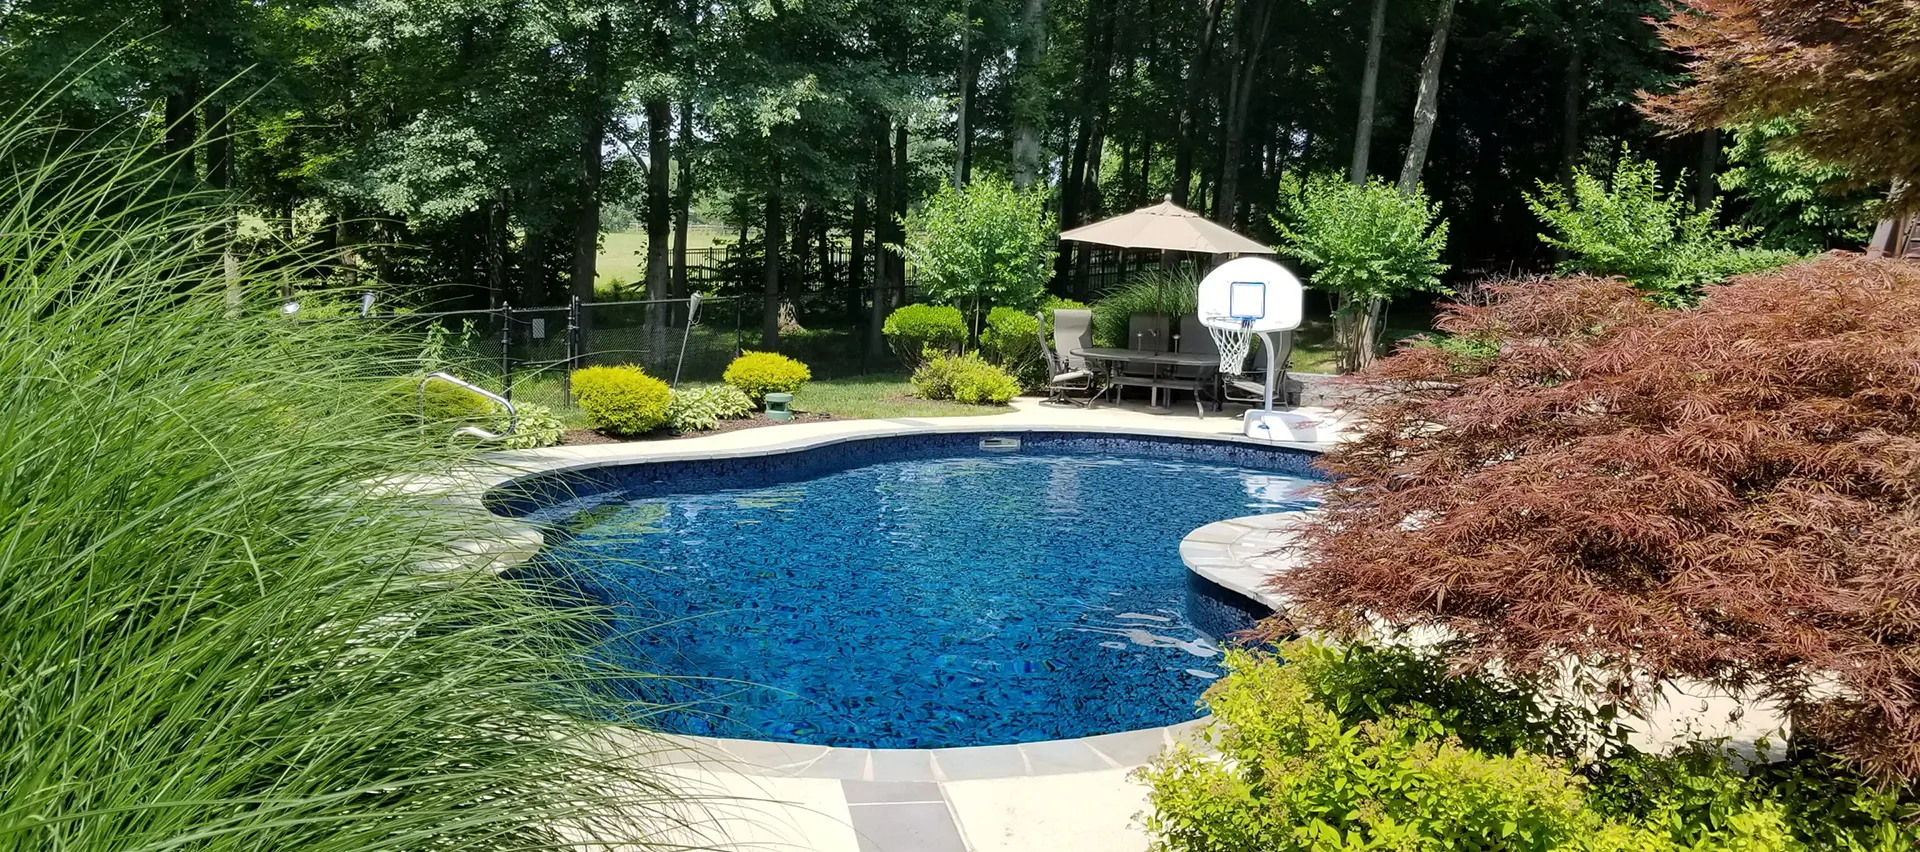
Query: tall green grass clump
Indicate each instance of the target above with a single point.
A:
(216, 630)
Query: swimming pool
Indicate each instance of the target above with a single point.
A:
(919, 592)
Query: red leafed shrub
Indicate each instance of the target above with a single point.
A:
(1729, 493)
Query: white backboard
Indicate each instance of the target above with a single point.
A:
(1251, 293)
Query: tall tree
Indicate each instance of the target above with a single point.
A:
(1426, 110)
(1369, 90)
(1029, 93)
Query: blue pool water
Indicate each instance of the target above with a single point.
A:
(958, 600)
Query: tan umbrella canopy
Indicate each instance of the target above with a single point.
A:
(1169, 227)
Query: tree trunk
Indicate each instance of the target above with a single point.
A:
(775, 245)
(1426, 110)
(899, 214)
(659, 223)
(857, 256)
(533, 275)
(1194, 101)
(1255, 18)
(1369, 91)
(1705, 186)
(1071, 182)
(1026, 127)
(683, 202)
(882, 232)
(1571, 104)
(963, 139)
(593, 134)
(497, 250)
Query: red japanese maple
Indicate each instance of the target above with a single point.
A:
(1730, 493)
(1846, 71)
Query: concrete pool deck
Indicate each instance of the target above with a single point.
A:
(1037, 797)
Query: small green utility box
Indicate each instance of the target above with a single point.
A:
(779, 407)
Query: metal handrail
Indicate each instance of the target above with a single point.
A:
(513, 414)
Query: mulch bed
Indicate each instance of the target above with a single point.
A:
(585, 437)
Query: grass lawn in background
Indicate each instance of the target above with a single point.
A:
(623, 254)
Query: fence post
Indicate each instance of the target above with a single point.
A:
(506, 344)
(573, 345)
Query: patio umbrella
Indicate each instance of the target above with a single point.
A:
(1169, 227)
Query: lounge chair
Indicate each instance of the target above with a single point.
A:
(1067, 373)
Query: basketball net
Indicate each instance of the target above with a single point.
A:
(1234, 345)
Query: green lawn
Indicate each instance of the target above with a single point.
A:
(623, 254)
(878, 397)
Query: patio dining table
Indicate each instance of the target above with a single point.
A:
(1109, 361)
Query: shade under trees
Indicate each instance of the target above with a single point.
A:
(1725, 493)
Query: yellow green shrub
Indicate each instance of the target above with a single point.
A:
(621, 400)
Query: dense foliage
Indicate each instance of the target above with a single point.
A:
(534, 426)
(1366, 245)
(982, 247)
(1722, 493)
(1011, 341)
(1368, 748)
(965, 378)
(621, 400)
(1631, 226)
(221, 632)
(702, 408)
(1790, 200)
(1842, 70)
(914, 331)
(757, 374)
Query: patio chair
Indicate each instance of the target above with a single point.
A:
(1194, 338)
(1144, 331)
(1067, 373)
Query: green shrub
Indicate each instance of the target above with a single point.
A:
(915, 330)
(218, 632)
(535, 427)
(1011, 340)
(621, 400)
(985, 385)
(435, 402)
(757, 374)
(700, 409)
(1300, 776)
(1631, 226)
(984, 246)
(965, 378)
(1366, 246)
(1379, 748)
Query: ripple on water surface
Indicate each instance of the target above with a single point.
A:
(917, 604)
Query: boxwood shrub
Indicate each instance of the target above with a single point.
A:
(757, 374)
(916, 330)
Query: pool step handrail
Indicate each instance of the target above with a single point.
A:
(513, 415)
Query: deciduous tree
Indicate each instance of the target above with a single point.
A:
(1844, 70)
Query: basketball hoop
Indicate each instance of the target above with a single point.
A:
(1234, 343)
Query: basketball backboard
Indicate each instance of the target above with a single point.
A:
(1251, 294)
